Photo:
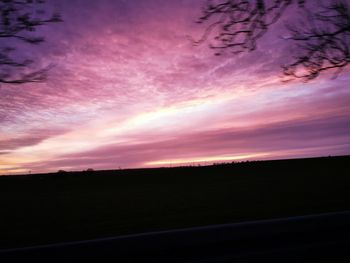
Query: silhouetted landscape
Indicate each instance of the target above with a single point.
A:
(57, 207)
(174, 127)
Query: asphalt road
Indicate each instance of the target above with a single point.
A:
(314, 238)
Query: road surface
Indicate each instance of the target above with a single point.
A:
(314, 238)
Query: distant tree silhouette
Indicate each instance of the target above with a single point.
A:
(322, 37)
(19, 19)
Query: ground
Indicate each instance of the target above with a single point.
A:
(42, 209)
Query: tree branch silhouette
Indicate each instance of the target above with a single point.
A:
(237, 26)
(323, 43)
(19, 19)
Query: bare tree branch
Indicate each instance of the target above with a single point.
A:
(239, 24)
(324, 44)
(19, 19)
(322, 38)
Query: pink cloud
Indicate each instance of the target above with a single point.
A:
(130, 88)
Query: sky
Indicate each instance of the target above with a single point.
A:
(127, 88)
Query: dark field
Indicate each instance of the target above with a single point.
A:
(41, 209)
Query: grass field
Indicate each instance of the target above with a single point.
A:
(41, 209)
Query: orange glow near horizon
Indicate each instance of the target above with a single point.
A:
(206, 160)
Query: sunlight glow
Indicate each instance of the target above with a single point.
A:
(199, 160)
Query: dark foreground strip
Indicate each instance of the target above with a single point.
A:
(314, 238)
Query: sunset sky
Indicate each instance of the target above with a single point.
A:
(129, 89)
